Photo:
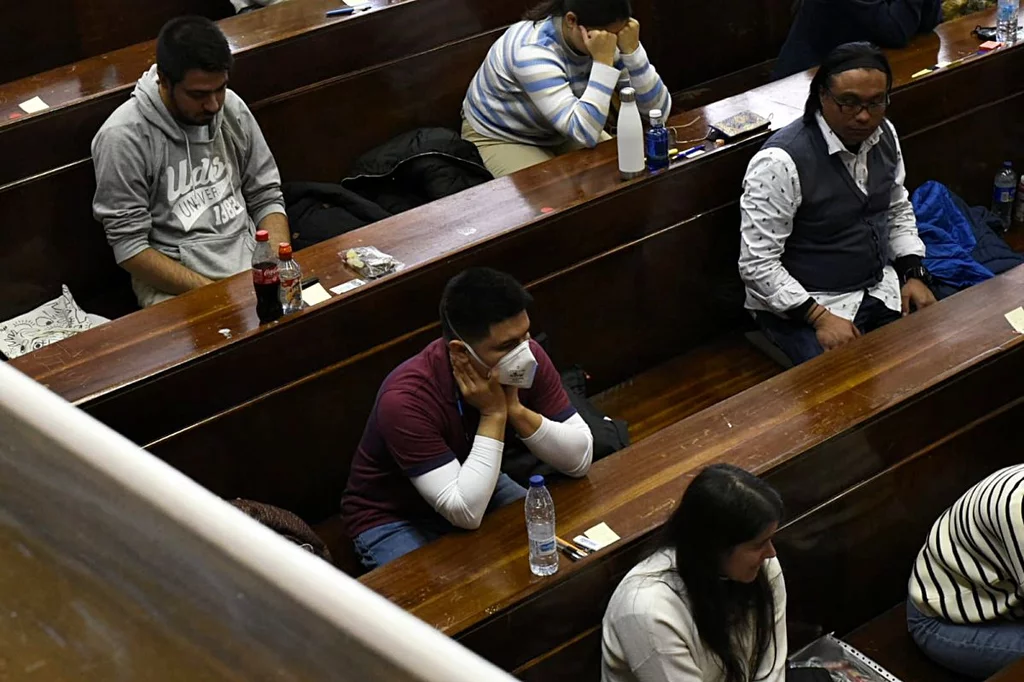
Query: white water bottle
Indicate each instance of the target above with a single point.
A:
(630, 133)
(540, 528)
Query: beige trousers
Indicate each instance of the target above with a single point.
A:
(504, 158)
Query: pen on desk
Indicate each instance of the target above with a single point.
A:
(340, 11)
(570, 550)
(569, 553)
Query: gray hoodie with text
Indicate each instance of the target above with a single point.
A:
(193, 193)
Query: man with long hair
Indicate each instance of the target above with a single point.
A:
(829, 248)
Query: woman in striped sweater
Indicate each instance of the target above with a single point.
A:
(966, 606)
(546, 85)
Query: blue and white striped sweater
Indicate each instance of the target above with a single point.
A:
(534, 89)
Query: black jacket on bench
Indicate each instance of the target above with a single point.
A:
(823, 25)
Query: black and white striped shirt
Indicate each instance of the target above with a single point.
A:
(971, 570)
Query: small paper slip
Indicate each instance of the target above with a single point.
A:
(1016, 319)
(602, 535)
(315, 294)
(33, 105)
(348, 286)
(356, 3)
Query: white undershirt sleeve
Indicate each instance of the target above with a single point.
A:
(568, 446)
(461, 493)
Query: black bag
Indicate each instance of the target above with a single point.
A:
(610, 435)
(318, 211)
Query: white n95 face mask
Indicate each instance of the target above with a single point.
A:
(516, 368)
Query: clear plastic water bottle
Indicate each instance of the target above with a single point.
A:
(657, 143)
(540, 528)
(291, 280)
(1018, 211)
(1006, 21)
(630, 136)
(1003, 193)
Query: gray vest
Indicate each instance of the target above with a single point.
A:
(840, 239)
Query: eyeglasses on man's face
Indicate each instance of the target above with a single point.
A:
(851, 105)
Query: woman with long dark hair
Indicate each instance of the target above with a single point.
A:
(546, 85)
(709, 606)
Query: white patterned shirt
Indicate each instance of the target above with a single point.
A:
(771, 198)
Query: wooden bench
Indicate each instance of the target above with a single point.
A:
(885, 638)
(1012, 673)
(41, 36)
(845, 437)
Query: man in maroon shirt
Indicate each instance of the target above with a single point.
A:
(430, 457)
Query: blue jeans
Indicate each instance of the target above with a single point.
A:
(799, 341)
(389, 541)
(977, 651)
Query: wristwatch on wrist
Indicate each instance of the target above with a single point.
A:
(916, 272)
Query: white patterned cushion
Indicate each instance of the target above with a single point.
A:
(51, 322)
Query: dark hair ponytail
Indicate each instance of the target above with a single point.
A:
(723, 507)
(595, 13)
(844, 58)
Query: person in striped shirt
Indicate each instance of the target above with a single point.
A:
(546, 85)
(966, 606)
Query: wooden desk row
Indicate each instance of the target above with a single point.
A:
(539, 224)
(41, 36)
(867, 445)
(346, 99)
(288, 47)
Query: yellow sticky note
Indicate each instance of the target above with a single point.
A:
(602, 535)
(1016, 319)
(315, 294)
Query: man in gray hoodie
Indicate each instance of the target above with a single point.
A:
(183, 173)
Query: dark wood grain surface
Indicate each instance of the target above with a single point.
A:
(463, 579)
(186, 331)
(40, 36)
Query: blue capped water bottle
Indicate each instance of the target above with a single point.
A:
(657, 143)
(540, 528)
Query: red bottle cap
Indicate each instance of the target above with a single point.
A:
(262, 236)
(284, 251)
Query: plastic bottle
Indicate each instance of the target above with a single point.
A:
(540, 528)
(657, 143)
(1018, 211)
(1004, 190)
(291, 281)
(1006, 21)
(630, 137)
(265, 279)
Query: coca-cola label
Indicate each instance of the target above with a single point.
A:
(265, 275)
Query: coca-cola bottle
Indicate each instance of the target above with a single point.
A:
(265, 279)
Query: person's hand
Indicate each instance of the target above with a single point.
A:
(833, 331)
(512, 405)
(917, 292)
(601, 45)
(629, 37)
(482, 392)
